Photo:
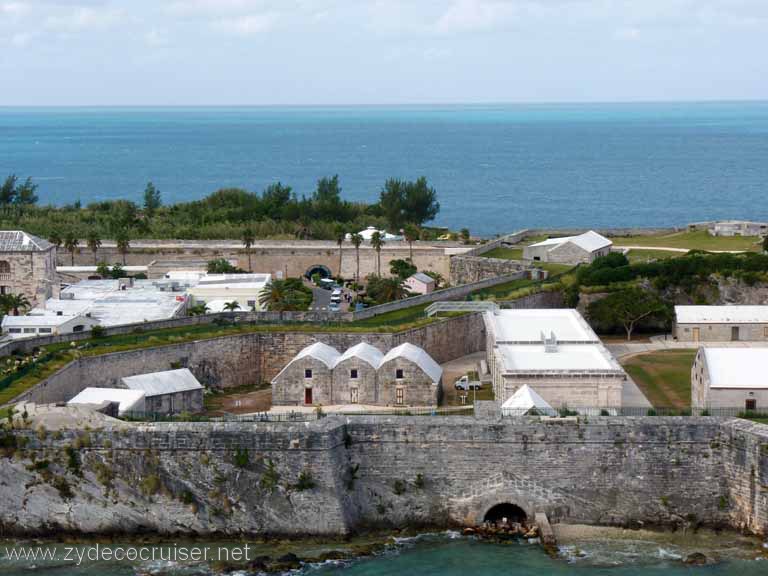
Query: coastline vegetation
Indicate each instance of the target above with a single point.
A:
(278, 212)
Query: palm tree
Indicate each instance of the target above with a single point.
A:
(14, 303)
(411, 233)
(123, 244)
(248, 238)
(197, 310)
(94, 243)
(231, 306)
(357, 239)
(71, 243)
(377, 241)
(339, 233)
(393, 289)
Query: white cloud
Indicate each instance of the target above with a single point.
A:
(155, 37)
(470, 15)
(83, 18)
(248, 25)
(13, 8)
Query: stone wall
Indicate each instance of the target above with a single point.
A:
(466, 269)
(230, 478)
(250, 358)
(31, 273)
(544, 299)
(289, 258)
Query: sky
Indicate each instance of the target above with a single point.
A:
(329, 52)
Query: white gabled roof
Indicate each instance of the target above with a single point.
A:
(418, 357)
(20, 241)
(127, 399)
(526, 398)
(328, 355)
(589, 241)
(51, 320)
(167, 382)
(421, 277)
(735, 314)
(737, 367)
(362, 351)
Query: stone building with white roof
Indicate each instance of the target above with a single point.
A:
(320, 375)
(580, 249)
(127, 400)
(555, 352)
(46, 325)
(168, 392)
(27, 265)
(734, 378)
(731, 323)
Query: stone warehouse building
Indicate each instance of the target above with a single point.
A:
(734, 378)
(27, 265)
(320, 375)
(583, 248)
(168, 392)
(556, 353)
(721, 323)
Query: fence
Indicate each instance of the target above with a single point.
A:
(135, 416)
(629, 411)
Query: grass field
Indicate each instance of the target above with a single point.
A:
(699, 240)
(648, 255)
(663, 376)
(505, 253)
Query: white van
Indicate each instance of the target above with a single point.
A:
(336, 295)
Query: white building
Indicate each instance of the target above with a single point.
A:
(583, 248)
(734, 378)
(46, 325)
(245, 289)
(368, 233)
(420, 283)
(127, 400)
(555, 352)
(118, 302)
(729, 323)
(168, 392)
(738, 228)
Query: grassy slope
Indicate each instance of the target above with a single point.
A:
(647, 255)
(699, 240)
(505, 253)
(663, 376)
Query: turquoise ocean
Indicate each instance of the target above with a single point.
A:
(496, 167)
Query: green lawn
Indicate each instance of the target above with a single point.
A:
(699, 240)
(505, 253)
(648, 255)
(663, 376)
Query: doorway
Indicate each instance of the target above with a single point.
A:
(307, 395)
(696, 334)
(750, 405)
(512, 512)
(353, 395)
(734, 333)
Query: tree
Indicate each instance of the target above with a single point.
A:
(123, 244)
(54, 237)
(339, 234)
(102, 269)
(285, 295)
(377, 242)
(26, 195)
(411, 233)
(14, 303)
(765, 243)
(94, 243)
(197, 310)
(626, 308)
(71, 243)
(248, 238)
(464, 235)
(231, 306)
(357, 240)
(437, 277)
(384, 290)
(8, 192)
(222, 266)
(402, 268)
(152, 199)
(403, 202)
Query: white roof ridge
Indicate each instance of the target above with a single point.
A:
(364, 351)
(526, 398)
(416, 355)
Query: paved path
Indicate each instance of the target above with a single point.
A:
(631, 348)
(683, 250)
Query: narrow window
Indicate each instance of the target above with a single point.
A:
(308, 373)
(750, 405)
(353, 373)
(399, 373)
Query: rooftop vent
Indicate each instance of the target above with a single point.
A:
(550, 343)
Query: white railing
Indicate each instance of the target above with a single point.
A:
(438, 307)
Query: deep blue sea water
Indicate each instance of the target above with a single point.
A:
(495, 167)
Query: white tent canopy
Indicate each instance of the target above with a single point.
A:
(525, 400)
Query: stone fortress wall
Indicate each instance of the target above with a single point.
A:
(251, 358)
(387, 471)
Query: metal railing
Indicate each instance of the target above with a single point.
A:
(138, 416)
(479, 306)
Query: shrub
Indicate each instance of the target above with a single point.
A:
(61, 484)
(242, 458)
(305, 481)
(150, 485)
(398, 487)
(98, 331)
(352, 476)
(270, 478)
(419, 482)
(73, 461)
(651, 412)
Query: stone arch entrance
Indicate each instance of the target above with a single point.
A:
(320, 269)
(512, 512)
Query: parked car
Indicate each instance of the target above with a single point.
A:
(464, 383)
(334, 307)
